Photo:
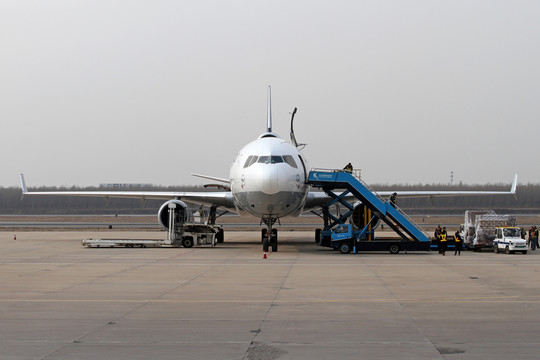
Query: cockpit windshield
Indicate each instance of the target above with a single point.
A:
(270, 159)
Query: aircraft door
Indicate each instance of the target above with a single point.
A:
(303, 167)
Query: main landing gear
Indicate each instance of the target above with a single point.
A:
(269, 237)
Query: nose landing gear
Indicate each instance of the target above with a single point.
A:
(269, 237)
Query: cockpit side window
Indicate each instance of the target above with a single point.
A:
(252, 159)
(290, 160)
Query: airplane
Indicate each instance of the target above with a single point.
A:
(267, 180)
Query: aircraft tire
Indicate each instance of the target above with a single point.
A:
(265, 244)
(273, 240)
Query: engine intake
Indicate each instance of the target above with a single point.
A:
(182, 213)
(362, 215)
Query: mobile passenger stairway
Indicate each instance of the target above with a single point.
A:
(412, 237)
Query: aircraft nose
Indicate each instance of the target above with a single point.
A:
(270, 179)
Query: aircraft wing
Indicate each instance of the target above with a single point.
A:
(222, 199)
(412, 194)
(317, 199)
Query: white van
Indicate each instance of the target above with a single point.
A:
(508, 239)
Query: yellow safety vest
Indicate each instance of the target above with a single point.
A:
(443, 236)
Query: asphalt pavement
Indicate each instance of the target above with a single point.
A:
(60, 300)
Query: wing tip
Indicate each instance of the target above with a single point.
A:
(23, 184)
(514, 184)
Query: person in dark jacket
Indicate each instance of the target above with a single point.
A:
(458, 243)
(393, 198)
(437, 237)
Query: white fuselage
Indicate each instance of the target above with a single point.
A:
(268, 178)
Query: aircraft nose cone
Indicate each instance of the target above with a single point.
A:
(270, 180)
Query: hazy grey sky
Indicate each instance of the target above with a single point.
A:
(148, 91)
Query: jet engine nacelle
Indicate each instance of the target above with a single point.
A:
(182, 213)
(361, 216)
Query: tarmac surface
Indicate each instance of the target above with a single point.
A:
(59, 300)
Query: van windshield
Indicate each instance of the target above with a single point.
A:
(512, 232)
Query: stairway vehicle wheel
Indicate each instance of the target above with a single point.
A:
(317, 236)
(394, 249)
(187, 242)
(345, 248)
(507, 250)
(495, 248)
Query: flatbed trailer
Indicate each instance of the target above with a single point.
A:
(185, 235)
(142, 243)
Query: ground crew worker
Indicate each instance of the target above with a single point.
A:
(442, 240)
(458, 242)
(393, 199)
(437, 236)
(348, 167)
(535, 237)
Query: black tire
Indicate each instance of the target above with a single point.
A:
(345, 248)
(507, 250)
(394, 249)
(220, 237)
(187, 242)
(273, 240)
(265, 244)
(524, 252)
(263, 234)
(317, 236)
(495, 248)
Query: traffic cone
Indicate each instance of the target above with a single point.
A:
(14, 237)
(264, 255)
